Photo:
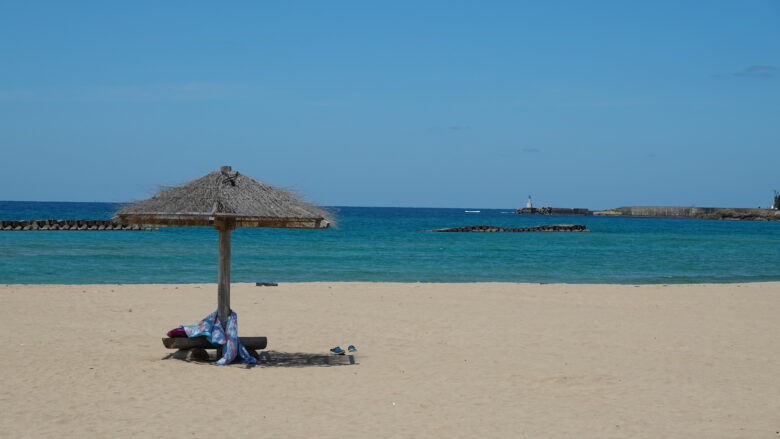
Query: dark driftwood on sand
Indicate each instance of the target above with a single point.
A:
(203, 343)
(545, 228)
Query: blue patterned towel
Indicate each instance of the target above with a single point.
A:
(212, 329)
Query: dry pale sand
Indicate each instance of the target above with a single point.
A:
(493, 360)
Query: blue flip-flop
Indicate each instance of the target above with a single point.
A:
(351, 348)
(338, 351)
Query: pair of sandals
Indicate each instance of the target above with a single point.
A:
(338, 351)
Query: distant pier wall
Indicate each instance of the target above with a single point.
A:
(737, 213)
(75, 225)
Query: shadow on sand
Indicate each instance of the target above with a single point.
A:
(276, 359)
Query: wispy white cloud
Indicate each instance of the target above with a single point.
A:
(759, 71)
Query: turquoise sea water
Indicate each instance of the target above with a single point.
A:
(392, 244)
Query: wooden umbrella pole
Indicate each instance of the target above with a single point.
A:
(223, 291)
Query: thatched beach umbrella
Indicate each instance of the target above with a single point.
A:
(225, 200)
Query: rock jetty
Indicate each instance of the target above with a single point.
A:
(71, 224)
(544, 228)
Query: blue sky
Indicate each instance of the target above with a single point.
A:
(438, 103)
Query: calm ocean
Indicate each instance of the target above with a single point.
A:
(392, 244)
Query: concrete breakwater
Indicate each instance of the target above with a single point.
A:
(544, 228)
(70, 224)
(725, 213)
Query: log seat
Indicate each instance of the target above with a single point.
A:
(196, 346)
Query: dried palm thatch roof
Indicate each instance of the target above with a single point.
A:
(225, 195)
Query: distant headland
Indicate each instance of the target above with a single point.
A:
(721, 213)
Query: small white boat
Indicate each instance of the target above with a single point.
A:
(472, 211)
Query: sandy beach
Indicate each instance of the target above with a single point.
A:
(434, 360)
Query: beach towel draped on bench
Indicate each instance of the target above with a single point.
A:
(211, 328)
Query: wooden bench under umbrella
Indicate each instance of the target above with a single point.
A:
(224, 199)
